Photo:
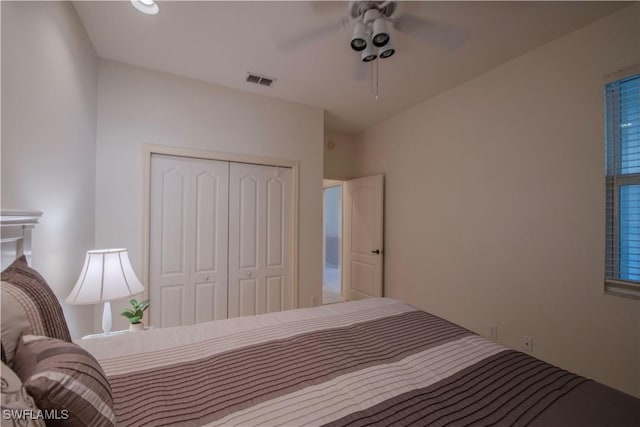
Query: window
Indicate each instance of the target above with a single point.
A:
(622, 141)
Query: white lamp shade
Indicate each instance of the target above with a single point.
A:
(107, 275)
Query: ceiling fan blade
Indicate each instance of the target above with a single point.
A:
(439, 34)
(306, 37)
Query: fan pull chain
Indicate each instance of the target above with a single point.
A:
(371, 79)
(374, 88)
(377, 80)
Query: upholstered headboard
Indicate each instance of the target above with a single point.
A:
(16, 233)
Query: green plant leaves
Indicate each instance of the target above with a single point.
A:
(142, 306)
(135, 313)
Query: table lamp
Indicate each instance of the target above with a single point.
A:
(107, 275)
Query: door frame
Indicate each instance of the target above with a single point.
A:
(328, 183)
(149, 149)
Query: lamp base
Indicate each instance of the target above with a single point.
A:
(106, 317)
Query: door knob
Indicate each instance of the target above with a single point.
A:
(206, 277)
(377, 252)
(249, 274)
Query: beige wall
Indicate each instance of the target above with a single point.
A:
(138, 106)
(339, 160)
(49, 96)
(495, 203)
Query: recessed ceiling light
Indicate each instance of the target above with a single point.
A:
(146, 6)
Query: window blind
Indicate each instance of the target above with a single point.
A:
(622, 146)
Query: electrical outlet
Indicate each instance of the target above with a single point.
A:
(493, 332)
(527, 343)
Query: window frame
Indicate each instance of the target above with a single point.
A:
(613, 182)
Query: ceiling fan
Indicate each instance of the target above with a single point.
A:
(370, 34)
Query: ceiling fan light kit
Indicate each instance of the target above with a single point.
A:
(380, 35)
(370, 31)
(387, 50)
(358, 41)
(369, 53)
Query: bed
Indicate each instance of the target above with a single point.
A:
(370, 362)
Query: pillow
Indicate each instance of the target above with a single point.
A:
(28, 306)
(15, 319)
(16, 400)
(63, 376)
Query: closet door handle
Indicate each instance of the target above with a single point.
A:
(377, 252)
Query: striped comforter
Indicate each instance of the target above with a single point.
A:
(371, 362)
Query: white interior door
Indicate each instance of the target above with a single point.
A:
(188, 240)
(259, 211)
(363, 237)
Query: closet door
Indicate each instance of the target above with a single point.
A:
(259, 218)
(188, 240)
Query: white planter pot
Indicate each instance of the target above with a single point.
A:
(133, 327)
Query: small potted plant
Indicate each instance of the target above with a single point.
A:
(135, 313)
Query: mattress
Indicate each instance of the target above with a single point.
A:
(370, 362)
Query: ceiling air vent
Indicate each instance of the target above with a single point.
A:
(260, 80)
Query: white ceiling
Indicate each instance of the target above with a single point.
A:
(220, 42)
